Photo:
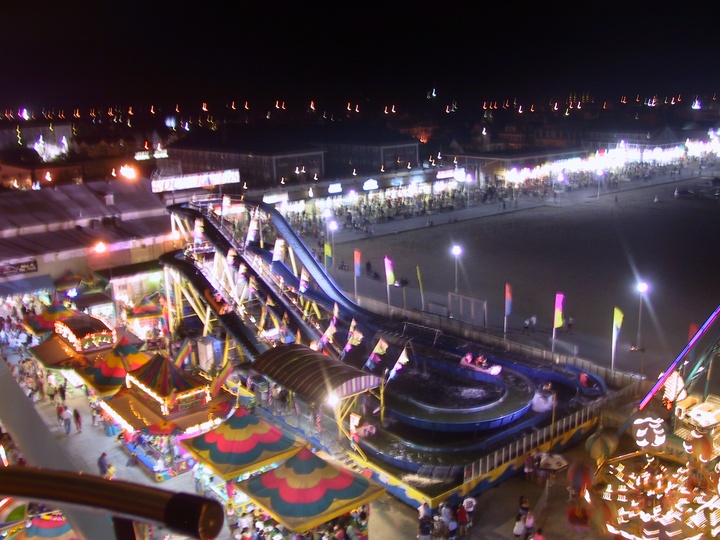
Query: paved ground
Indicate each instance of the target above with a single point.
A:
(390, 517)
(591, 248)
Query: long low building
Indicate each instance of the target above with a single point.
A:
(78, 229)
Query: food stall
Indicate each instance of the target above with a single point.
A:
(242, 445)
(307, 494)
(77, 342)
(160, 406)
(147, 319)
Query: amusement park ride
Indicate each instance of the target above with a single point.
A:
(667, 486)
(246, 275)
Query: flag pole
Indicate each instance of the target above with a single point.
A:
(614, 347)
(422, 295)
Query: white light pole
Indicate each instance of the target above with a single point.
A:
(642, 288)
(456, 251)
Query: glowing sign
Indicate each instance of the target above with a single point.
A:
(370, 184)
(194, 181)
(335, 188)
(274, 198)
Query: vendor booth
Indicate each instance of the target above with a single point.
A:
(147, 319)
(241, 445)
(160, 406)
(77, 342)
(43, 323)
(307, 494)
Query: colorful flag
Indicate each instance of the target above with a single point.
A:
(389, 274)
(508, 299)
(328, 334)
(380, 349)
(354, 340)
(617, 319)
(328, 254)
(401, 361)
(198, 231)
(304, 279)
(617, 323)
(216, 385)
(558, 323)
(357, 261)
(252, 231)
(278, 250)
(184, 352)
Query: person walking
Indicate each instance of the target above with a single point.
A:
(62, 390)
(78, 420)
(425, 529)
(67, 418)
(103, 465)
(519, 527)
(469, 503)
(59, 411)
(51, 391)
(529, 524)
(462, 520)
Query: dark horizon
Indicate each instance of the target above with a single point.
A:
(75, 56)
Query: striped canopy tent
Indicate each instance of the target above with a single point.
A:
(68, 280)
(164, 378)
(306, 491)
(312, 375)
(243, 443)
(147, 308)
(107, 375)
(316, 378)
(46, 527)
(44, 322)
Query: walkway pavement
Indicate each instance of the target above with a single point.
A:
(391, 518)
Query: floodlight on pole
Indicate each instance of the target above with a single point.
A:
(456, 251)
(642, 288)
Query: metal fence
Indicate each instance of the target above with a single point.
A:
(626, 383)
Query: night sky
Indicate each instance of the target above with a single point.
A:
(65, 53)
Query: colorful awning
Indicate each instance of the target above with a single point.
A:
(165, 378)
(243, 443)
(44, 322)
(307, 491)
(107, 375)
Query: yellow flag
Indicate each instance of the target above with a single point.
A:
(617, 318)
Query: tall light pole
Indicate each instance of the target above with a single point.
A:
(456, 251)
(642, 288)
(333, 226)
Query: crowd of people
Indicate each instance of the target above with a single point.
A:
(450, 522)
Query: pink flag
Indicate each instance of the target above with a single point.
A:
(559, 297)
(389, 273)
(508, 299)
